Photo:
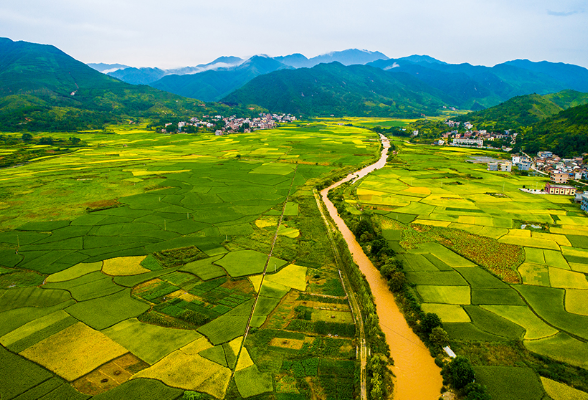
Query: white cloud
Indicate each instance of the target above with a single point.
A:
(185, 32)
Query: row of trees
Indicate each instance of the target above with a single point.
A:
(457, 373)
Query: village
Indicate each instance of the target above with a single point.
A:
(226, 125)
(559, 170)
(473, 138)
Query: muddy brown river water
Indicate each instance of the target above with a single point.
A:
(417, 376)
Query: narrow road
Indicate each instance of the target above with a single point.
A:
(269, 256)
(354, 305)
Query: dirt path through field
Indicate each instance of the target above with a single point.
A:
(417, 376)
(269, 256)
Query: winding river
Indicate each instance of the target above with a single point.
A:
(417, 376)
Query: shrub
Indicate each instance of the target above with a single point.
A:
(460, 372)
(475, 391)
(430, 321)
(439, 337)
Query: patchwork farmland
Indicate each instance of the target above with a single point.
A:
(137, 264)
(506, 271)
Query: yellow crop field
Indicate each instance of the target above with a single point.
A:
(146, 173)
(266, 221)
(217, 384)
(189, 372)
(447, 312)
(293, 276)
(444, 224)
(124, 266)
(292, 233)
(519, 233)
(75, 351)
(32, 327)
(579, 267)
(529, 242)
(197, 346)
(570, 251)
(244, 360)
(559, 239)
(577, 301)
(562, 278)
(74, 272)
(559, 391)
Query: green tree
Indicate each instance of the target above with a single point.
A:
(46, 140)
(27, 137)
(475, 391)
(378, 245)
(387, 270)
(430, 321)
(364, 226)
(397, 282)
(461, 372)
(439, 337)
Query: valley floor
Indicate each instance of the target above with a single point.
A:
(136, 265)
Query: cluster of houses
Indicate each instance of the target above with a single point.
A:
(477, 138)
(573, 168)
(472, 138)
(232, 124)
(560, 171)
(265, 121)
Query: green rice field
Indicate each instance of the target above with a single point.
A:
(463, 236)
(133, 267)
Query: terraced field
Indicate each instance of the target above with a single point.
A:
(464, 236)
(136, 264)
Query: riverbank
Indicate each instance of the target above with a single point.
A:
(417, 376)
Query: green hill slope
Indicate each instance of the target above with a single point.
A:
(44, 89)
(214, 85)
(523, 111)
(334, 89)
(566, 133)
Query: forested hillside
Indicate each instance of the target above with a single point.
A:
(334, 89)
(44, 89)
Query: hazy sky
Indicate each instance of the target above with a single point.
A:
(189, 32)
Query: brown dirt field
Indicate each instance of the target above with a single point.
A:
(283, 313)
(241, 284)
(109, 375)
(318, 393)
(146, 285)
(101, 203)
(295, 344)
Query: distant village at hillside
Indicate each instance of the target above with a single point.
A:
(559, 170)
(226, 125)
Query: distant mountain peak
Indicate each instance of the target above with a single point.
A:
(106, 68)
(345, 57)
(422, 59)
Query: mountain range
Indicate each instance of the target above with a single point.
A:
(214, 84)
(230, 73)
(44, 89)
(338, 90)
(463, 86)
